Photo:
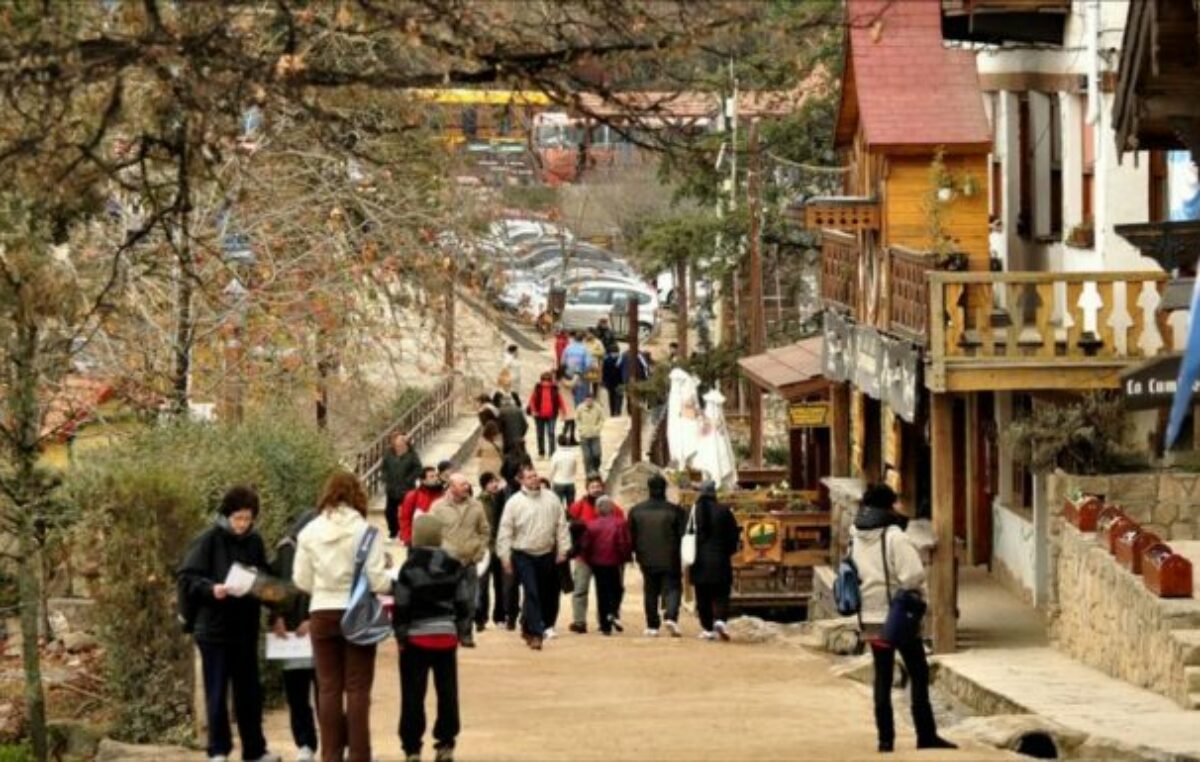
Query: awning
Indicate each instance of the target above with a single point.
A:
(792, 371)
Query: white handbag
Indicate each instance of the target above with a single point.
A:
(687, 544)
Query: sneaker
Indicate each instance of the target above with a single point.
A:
(444, 754)
(673, 628)
(535, 643)
(549, 634)
(467, 642)
(650, 632)
(305, 754)
(218, 758)
(578, 628)
(616, 623)
(706, 635)
(722, 631)
(412, 758)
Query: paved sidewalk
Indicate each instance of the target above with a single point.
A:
(1047, 683)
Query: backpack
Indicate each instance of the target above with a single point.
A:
(847, 588)
(365, 622)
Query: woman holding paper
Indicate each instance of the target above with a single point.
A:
(324, 568)
(216, 578)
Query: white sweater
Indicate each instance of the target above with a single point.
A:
(562, 465)
(904, 566)
(324, 565)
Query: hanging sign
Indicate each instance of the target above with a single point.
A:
(1151, 385)
(808, 415)
(837, 348)
(900, 377)
(868, 361)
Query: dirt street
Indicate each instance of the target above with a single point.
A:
(590, 697)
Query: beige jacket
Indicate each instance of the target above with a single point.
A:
(589, 420)
(324, 565)
(904, 567)
(533, 523)
(465, 530)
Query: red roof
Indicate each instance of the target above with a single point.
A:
(904, 84)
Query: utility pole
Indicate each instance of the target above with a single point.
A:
(758, 327)
(635, 375)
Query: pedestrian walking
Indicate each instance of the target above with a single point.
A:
(566, 393)
(887, 564)
(579, 514)
(224, 623)
(562, 470)
(589, 418)
(465, 533)
(533, 538)
(514, 460)
(712, 574)
(419, 500)
(577, 362)
(626, 369)
(656, 527)
(401, 470)
(595, 348)
(504, 389)
(490, 450)
(512, 364)
(606, 336)
(611, 378)
(492, 583)
(605, 548)
(560, 344)
(291, 617)
(513, 425)
(487, 410)
(545, 404)
(431, 617)
(324, 568)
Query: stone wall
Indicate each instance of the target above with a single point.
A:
(845, 495)
(1165, 503)
(1106, 618)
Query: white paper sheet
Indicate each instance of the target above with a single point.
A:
(290, 646)
(240, 580)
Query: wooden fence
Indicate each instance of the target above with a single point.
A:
(421, 421)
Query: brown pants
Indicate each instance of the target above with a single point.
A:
(345, 673)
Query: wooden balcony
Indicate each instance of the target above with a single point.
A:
(1042, 330)
(839, 270)
(846, 213)
(909, 295)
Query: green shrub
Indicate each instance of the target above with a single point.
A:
(15, 753)
(144, 501)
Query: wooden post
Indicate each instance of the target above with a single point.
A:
(942, 603)
(635, 374)
(758, 331)
(839, 429)
(681, 308)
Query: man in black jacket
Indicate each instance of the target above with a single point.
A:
(226, 624)
(656, 528)
(513, 425)
(401, 469)
(299, 675)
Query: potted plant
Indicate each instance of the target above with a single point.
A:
(1081, 236)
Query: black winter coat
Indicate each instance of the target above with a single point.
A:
(656, 528)
(717, 537)
(294, 609)
(431, 587)
(400, 472)
(513, 426)
(207, 563)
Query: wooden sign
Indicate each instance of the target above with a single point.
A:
(763, 542)
(808, 415)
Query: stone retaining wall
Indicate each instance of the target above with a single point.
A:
(1107, 619)
(1167, 504)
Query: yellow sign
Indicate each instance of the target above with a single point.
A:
(762, 542)
(806, 415)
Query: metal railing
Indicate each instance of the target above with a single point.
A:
(421, 421)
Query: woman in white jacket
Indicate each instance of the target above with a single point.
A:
(324, 568)
(887, 562)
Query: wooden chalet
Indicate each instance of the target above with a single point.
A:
(920, 331)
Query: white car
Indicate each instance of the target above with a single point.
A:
(590, 300)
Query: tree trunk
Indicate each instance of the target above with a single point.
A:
(681, 304)
(35, 700)
(185, 327)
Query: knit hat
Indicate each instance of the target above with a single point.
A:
(604, 505)
(427, 531)
(709, 487)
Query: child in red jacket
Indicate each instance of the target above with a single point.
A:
(605, 547)
(419, 501)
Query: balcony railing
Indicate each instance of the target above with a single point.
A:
(1052, 319)
(839, 270)
(846, 213)
(909, 297)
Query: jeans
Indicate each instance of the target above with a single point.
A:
(492, 583)
(300, 685)
(581, 575)
(391, 514)
(539, 581)
(415, 665)
(568, 430)
(566, 493)
(591, 454)
(345, 673)
(913, 654)
(615, 398)
(658, 581)
(608, 595)
(545, 435)
(712, 604)
(472, 575)
(236, 663)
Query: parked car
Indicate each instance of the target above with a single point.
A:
(591, 300)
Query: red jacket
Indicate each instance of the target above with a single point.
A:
(545, 401)
(584, 509)
(560, 343)
(606, 542)
(417, 500)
